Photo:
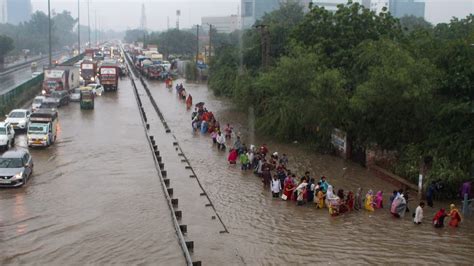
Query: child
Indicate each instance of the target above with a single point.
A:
(320, 198)
(228, 131)
(275, 187)
(214, 136)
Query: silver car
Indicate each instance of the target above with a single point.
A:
(16, 168)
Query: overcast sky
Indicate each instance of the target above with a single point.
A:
(125, 14)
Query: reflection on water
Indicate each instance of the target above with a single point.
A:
(264, 230)
(94, 197)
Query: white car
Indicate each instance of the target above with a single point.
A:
(75, 96)
(97, 89)
(35, 74)
(19, 118)
(37, 101)
(7, 136)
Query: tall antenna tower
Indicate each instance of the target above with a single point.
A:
(143, 19)
(178, 13)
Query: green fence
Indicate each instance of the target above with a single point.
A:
(20, 94)
(17, 95)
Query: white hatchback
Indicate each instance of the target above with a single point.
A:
(37, 101)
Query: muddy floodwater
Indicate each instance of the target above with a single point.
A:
(95, 198)
(264, 230)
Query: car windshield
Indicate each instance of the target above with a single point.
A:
(37, 129)
(17, 115)
(48, 105)
(11, 163)
(37, 100)
(3, 131)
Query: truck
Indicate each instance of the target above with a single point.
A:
(55, 80)
(42, 129)
(88, 71)
(73, 76)
(154, 71)
(109, 75)
(89, 52)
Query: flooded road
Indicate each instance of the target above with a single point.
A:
(94, 197)
(270, 231)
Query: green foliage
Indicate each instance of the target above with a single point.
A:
(33, 34)
(6, 46)
(134, 35)
(176, 42)
(402, 85)
(411, 23)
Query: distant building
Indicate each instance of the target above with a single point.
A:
(18, 11)
(378, 6)
(401, 8)
(3, 11)
(375, 5)
(253, 10)
(222, 24)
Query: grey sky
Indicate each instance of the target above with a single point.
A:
(123, 14)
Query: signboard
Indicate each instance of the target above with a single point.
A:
(87, 66)
(339, 140)
(53, 73)
(107, 71)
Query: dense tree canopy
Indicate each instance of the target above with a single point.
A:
(33, 34)
(401, 85)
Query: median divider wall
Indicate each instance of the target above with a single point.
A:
(22, 93)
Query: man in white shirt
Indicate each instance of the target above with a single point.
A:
(419, 213)
(275, 187)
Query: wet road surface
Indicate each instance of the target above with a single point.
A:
(94, 197)
(269, 231)
(19, 76)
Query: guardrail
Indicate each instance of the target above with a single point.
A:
(12, 98)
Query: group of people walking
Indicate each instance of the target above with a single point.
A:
(306, 190)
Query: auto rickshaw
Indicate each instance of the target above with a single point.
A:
(87, 98)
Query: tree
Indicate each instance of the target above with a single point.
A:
(133, 35)
(6, 45)
(410, 23)
(394, 106)
(336, 34)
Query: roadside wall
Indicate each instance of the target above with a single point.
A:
(22, 93)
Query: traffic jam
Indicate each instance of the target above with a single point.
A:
(81, 82)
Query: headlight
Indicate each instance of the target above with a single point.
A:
(18, 176)
(45, 138)
(92, 79)
(43, 92)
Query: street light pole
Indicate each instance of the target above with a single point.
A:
(89, 22)
(210, 41)
(49, 30)
(78, 27)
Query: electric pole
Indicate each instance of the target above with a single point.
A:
(197, 50)
(78, 27)
(197, 43)
(210, 41)
(49, 30)
(95, 23)
(89, 21)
